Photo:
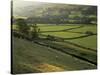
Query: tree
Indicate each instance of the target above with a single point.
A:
(34, 31)
(22, 26)
(89, 32)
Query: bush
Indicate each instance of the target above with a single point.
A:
(89, 32)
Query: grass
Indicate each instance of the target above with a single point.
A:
(63, 34)
(92, 28)
(55, 27)
(29, 57)
(92, 40)
(89, 42)
(50, 27)
(85, 53)
(14, 27)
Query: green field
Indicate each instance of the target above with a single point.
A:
(63, 34)
(55, 27)
(30, 57)
(73, 33)
(92, 28)
(90, 42)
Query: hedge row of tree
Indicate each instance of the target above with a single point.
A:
(31, 31)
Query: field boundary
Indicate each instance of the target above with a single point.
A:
(63, 40)
(62, 30)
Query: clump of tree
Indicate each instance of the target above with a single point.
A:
(31, 31)
(89, 32)
(22, 26)
(52, 38)
(34, 31)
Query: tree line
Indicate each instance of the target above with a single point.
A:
(31, 31)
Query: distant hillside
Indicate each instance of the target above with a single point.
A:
(31, 8)
(55, 12)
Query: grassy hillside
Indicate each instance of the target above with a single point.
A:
(30, 57)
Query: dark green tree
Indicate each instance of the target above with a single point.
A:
(22, 26)
(34, 31)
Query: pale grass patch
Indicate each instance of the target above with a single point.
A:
(44, 67)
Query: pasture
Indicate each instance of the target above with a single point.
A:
(54, 27)
(63, 34)
(90, 42)
(78, 51)
(92, 28)
(73, 33)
